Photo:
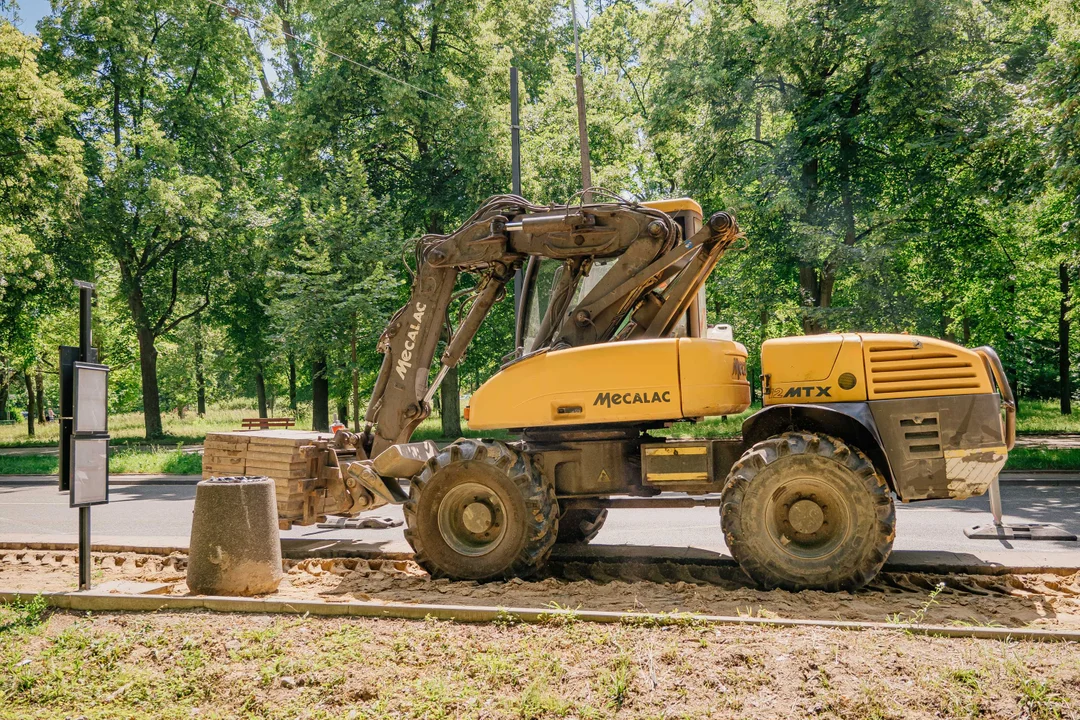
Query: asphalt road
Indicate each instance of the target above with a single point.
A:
(160, 514)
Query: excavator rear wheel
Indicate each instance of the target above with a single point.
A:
(806, 511)
(580, 525)
(480, 511)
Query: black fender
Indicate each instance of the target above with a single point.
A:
(851, 422)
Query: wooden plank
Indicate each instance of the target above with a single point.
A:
(293, 485)
(276, 453)
(232, 462)
(231, 470)
(234, 449)
(291, 435)
(270, 466)
(279, 474)
(221, 452)
(291, 509)
(227, 438)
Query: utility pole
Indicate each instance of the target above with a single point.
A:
(515, 134)
(583, 131)
(515, 176)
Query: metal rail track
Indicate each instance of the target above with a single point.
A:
(721, 573)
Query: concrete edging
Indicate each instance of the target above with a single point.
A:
(486, 614)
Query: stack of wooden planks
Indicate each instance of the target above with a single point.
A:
(277, 454)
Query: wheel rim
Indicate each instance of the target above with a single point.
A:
(809, 518)
(472, 519)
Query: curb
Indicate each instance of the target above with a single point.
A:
(487, 614)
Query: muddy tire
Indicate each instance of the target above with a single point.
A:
(580, 525)
(807, 511)
(480, 511)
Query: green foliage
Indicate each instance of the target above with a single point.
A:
(245, 200)
(41, 167)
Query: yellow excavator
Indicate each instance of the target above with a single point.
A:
(612, 346)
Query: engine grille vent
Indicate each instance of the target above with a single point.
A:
(922, 436)
(895, 369)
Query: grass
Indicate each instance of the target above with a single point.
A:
(1039, 458)
(123, 461)
(1036, 417)
(176, 666)
(128, 428)
(22, 614)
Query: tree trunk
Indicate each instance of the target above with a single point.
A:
(290, 41)
(1064, 359)
(260, 392)
(5, 381)
(39, 386)
(451, 406)
(320, 396)
(292, 384)
(29, 403)
(816, 288)
(150, 393)
(200, 378)
(343, 412)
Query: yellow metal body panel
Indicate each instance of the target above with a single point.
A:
(712, 377)
(674, 205)
(604, 383)
(904, 366)
(611, 383)
(868, 366)
(814, 368)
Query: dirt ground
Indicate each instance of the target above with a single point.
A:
(201, 665)
(1042, 601)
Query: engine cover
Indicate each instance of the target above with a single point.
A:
(629, 382)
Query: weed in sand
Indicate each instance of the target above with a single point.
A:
(615, 682)
(561, 615)
(917, 617)
(961, 693)
(22, 614)
(1038, 699)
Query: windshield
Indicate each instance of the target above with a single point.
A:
(547, 276)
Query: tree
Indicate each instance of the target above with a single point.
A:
(164, 89)
(40, 164)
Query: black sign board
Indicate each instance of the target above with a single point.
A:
(68, 357)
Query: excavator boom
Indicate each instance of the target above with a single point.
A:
(656, 272)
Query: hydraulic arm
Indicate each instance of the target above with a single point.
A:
(655, 274)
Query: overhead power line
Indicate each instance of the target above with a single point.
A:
(235, 12)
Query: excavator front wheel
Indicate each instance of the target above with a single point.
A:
(806, 511)
(479, 511)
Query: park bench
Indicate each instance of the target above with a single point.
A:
(267, 423)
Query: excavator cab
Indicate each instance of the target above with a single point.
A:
(541, 276)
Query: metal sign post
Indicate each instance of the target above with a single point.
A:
(84, 428)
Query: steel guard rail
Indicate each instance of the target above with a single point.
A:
(993, 364)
